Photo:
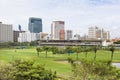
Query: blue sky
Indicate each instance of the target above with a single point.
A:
(77, 14)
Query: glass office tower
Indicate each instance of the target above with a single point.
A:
(35, 25)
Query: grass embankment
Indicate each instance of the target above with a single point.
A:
(52, 62)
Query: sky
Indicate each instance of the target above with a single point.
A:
(77, 14)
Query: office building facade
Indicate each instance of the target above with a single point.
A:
(69, 34)
(35, 25)
(28, 37)
(56, 27)
(96, 33)
(92, 31)
(106, 35)
(16, 35)
(62, 34)
(6, 33)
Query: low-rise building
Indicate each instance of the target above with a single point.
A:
(28, 37)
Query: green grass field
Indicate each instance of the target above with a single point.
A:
(55, 62)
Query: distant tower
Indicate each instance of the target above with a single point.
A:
(92, 31)
(35, 25)
(69, 34)
(19, 27)
(95, 33)
(106, 35)
(57, 30)
(6, 33)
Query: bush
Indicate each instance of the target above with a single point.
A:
(25, 70)
(61, 51)
(94, 70)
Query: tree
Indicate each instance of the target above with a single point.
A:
(34, 43)
(86, 49)
(46, 48)
(38, 49)
(26, 70)
(77, 50)
(69, 50)
(54, 49)
(95, 51)
(112, 49)
(61, 51)
(94, 70)
(4, 70)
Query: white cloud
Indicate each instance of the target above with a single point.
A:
(77, 14)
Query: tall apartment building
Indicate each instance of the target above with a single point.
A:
(92, 32)
(62, 34)
(69, 34)
(6, 33)
(35, 25)
(56, 27)
(95, 33)
(106, 35)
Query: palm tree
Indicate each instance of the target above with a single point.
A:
(86, 49)
(68, 50)
(38, 49)
(54, 49)
(77, 50)
(46, 48)
(112, 49)
(95, 51)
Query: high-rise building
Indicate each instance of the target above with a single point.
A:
(95, 33)
(106, 35)
(69, 34)
(6, 33)
(62, 34)
(92, 31)
(56, 27)
(16, 35)
(35, 25)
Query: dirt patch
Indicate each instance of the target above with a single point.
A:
(61, 62)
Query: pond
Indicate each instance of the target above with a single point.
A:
(116, 64)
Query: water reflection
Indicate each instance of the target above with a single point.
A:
(116, 64)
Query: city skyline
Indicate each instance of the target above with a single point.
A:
(78, 15)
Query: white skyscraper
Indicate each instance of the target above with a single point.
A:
(56, 27)
(6, 33)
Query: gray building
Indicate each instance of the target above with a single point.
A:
(6, 33)
(35, 25)
(69, 34)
